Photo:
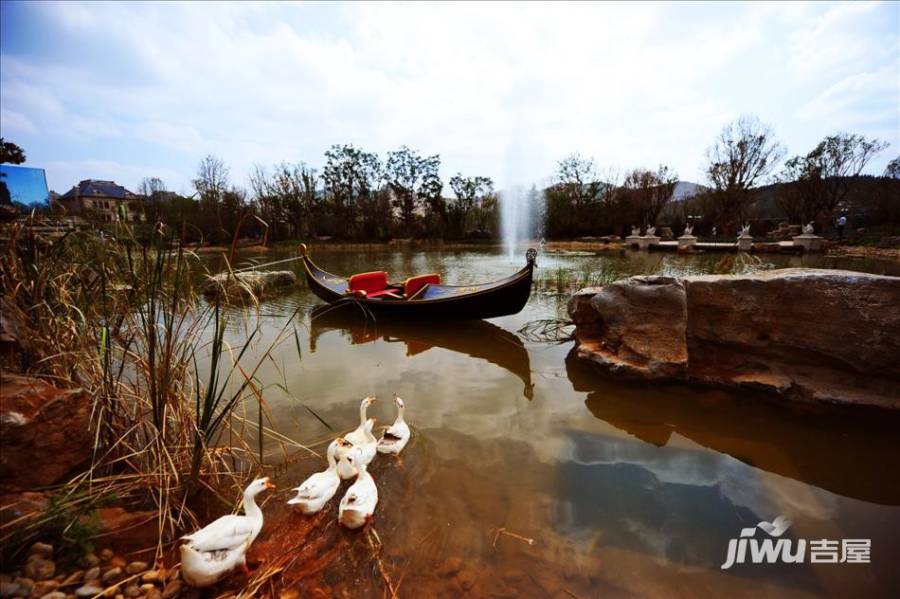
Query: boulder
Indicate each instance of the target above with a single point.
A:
(242, 284)
(45, 433)
(822, 335)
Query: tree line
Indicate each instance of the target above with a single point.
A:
(357, 195)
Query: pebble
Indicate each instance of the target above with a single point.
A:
(117, 562)
(40, 568)
(93, 573)
(133, 591)
(26, 585)
(172, 589)
(119, 596)
(8, 589)
(54, 595)
(151, 576)
(91, 560)
(88, 590)
(450, 567)
(44, 587)
(41, 549)
(112, 575)
(154, 594)
(466, 579)
(147, 587)
(135, 567)
(73, 578)
(106, 555)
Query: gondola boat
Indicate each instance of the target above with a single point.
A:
(423, 297)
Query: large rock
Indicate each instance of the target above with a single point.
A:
(256, 282)
(44, 432)
(813, 334)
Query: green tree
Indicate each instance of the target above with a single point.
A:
(470, 193)
(838, 160)
(415, 185)
(351, 178)
(11, 153)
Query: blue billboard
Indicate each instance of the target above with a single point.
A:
(23, 184)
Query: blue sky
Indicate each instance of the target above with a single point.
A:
(124, 91)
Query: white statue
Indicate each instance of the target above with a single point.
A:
(651, 231)
(745, 230)
(808, 228)
(688, 230)
(715, 232)
(635, 231)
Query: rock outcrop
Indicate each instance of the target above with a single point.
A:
(242, 284)
(44, 432)
(821, 335)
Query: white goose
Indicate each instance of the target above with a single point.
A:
(318, 489)
(221, 546)
(363, 438)
(358, 505)
(395, 438)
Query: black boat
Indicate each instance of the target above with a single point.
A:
(423, 297)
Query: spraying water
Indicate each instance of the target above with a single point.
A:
(515, 219)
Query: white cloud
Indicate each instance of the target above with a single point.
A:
(499, 89)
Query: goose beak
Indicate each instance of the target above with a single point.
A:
(269, 484)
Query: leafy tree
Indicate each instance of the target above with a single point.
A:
(649, 192)
(351, 178)
(893, 169)
(288, 196)
(415, 184)
(470, 193)
(743, 155)
(11, 153)
(839, 159)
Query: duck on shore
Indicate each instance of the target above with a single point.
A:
(210, 553)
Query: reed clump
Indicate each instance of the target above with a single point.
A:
(122, 319)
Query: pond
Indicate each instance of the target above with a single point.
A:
(625, 488)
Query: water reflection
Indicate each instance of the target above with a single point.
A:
(815, 445)
(477, 339)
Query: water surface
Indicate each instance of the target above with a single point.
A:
(626, 488)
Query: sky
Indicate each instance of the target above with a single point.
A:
(126, 91)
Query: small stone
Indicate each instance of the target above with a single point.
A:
(450, 567)
(72, 578)
(117, 562)
(151, 576)
(43, 587)
(9, 589)
(26, 585)
(154, 594)
(135, 567)
(54, 595)
(88, 590)
(106, 554)
(112, 575)
(40, 569)
(133, 591)
(91, 560)
(92, 574)
(172, 589)
(42, 549)
(466, 579)
(147, 587)
(119, 596)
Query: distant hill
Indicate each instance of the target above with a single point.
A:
(685, 190)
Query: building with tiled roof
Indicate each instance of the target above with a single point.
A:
(103, 201)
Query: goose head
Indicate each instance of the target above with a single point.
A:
(258, 486)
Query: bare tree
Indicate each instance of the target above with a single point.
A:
(212, 179)
(743, 155)
(150, 186)
(287, 196)
(892, 170)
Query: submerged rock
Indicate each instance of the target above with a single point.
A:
(243, 284)
(822, 335)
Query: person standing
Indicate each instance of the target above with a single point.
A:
(841, 223)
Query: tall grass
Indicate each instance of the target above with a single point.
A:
(124, 320)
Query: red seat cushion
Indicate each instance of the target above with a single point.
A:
(414, 284)
(369, 282)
